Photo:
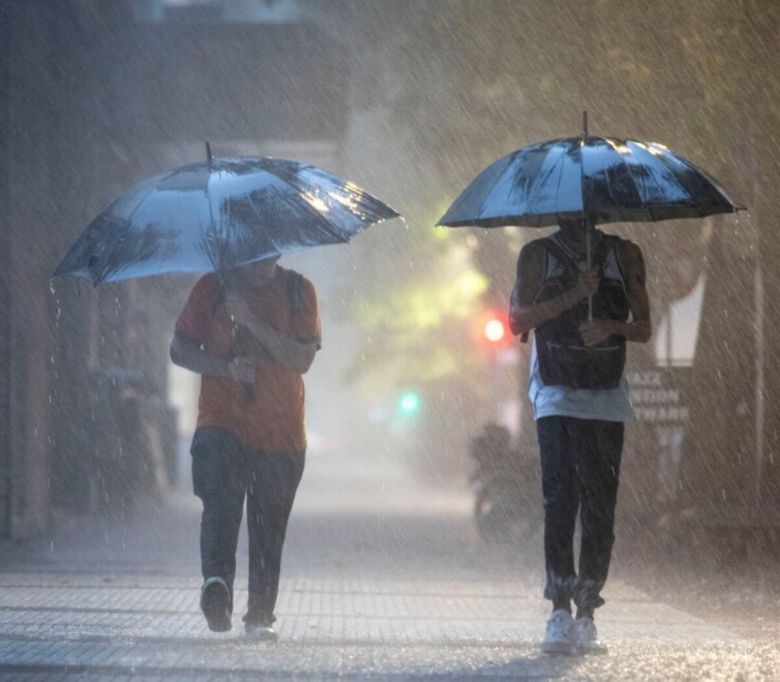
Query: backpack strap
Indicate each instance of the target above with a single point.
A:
(598, 256)
(602, 249)
(219, 291)
(295, 291)
(563, 257)
(554, 249)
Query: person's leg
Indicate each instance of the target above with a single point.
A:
(561, 502)
(273, 482)
(218, 479)
(598, 466)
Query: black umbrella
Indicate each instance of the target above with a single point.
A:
(599, 179)
(213, 216)
(594, 179)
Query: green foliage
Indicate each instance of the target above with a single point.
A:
(415, 330)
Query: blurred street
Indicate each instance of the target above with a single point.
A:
(382, 579)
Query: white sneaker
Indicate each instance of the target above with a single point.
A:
(587, 638)
(559, 635)
(261, 632)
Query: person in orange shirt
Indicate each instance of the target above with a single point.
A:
(251, 333)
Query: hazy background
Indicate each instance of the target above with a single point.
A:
(410, 100)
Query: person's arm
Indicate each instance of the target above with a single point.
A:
(524, 314)
(639, 329)
(193, 356)
(292, 352)
(193, 325)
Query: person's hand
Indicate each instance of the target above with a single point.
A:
(596, 331)
(237, 309)
(587, 284)
(242, 369)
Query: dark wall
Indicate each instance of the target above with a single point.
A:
(5, 282)
(29, 248)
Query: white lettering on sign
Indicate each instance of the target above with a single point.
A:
(655, 396)
(653, 402)
(644, 378)
(661, 414)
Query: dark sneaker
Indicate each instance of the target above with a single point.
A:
(587, 638)
(215, 604)
(559, 634)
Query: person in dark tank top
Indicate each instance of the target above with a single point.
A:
(580, 400)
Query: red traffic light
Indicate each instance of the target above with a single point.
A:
(491, 329)
(494, 330)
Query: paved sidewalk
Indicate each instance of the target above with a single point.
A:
(390, 585)
(342, 627)
(330, 628)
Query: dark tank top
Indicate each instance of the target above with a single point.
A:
(564, 359)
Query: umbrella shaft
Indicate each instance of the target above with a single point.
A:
(590, 264)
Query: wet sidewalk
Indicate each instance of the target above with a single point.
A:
(386, 583)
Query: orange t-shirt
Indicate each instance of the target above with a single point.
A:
(274, 422)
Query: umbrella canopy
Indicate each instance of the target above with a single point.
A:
(213, 216)
(601, 179)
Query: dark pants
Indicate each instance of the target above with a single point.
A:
(580, 470)
(224, 471)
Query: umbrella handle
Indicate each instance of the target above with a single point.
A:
(587, 217)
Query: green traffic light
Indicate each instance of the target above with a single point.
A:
(409, 403)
